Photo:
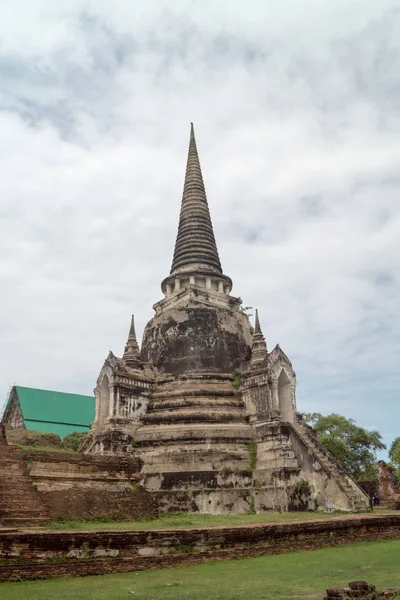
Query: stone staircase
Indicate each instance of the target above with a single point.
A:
(20, 502)
(358, 498)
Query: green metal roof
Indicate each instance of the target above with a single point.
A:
(55, 412)
(59, 428)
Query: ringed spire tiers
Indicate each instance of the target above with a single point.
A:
(203, 391)
(196, 251)
(195, 243)
(131, 354)
(257, 326)
(259, 349)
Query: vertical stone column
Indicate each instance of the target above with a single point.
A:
(208, 283)
(111, 406)
(293, 398)
(117, 403)
(177, 284)
(192, 280)
(275, 395)
(221, 286)
(269, 400)
(97, 411)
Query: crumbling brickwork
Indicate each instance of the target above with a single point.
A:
(38, 486)
(203, 396)
(33, 555)
(76, 486)
(388, 486)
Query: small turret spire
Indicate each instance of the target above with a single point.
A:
(257, 328)
(131, 354)
(259, 348)
(195, 245)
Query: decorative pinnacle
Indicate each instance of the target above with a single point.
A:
(131, 354)
(259, 348)
(132, 332)
(195, 245)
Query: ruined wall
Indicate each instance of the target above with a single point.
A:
(388, 486)
(30, 555)
(13, 416)
(75, 486)
(327, 491)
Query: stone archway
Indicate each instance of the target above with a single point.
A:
(103, 404)
(285, 397)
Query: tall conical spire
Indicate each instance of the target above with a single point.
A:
(195, 245)
(259, 347)
(131, 353)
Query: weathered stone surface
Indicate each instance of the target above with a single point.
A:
(361, 590)
(201, 339)
(361, 585)
(209, 411)
(76, 486)
(388, 489)
(20, 502)
(38, 486)
(195, 243)
(34, 555)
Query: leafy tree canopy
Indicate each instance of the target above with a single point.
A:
(394, 452)
(394, 455)
(352, 446)
(73, 440)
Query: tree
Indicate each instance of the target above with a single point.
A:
(394, 455)
(352, 446)
(73, 440)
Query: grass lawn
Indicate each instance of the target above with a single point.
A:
(297, 575)
(182, 520)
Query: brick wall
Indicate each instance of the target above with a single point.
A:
(76, 486)
(33, 555)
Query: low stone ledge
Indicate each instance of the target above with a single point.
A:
(38, 555)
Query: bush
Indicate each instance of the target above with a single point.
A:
(34, 439)
(237, 380)
(73, 440)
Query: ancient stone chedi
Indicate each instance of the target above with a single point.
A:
(207, 408)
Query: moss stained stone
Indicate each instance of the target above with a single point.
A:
(200, 339)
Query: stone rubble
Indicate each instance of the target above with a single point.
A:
(361, 590)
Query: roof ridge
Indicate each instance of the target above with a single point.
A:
(25, 387)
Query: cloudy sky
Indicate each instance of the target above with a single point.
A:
(297, 118)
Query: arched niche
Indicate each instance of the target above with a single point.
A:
(103, 402)
(285, 397)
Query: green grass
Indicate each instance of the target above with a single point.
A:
(28, 448)
(182, 520)
(294, 576)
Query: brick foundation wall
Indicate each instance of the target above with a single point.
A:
(78, 503)
(34, 555)
(76, 486)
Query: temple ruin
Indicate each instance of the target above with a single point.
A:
(206, 407)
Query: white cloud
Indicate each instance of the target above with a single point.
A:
(297, 121)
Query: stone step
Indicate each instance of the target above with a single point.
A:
(28, 513)
(14, 476)
(201, 403)
(329, 463)
(20, 503)
(24, 505)
(26, 519)
(195, 414)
